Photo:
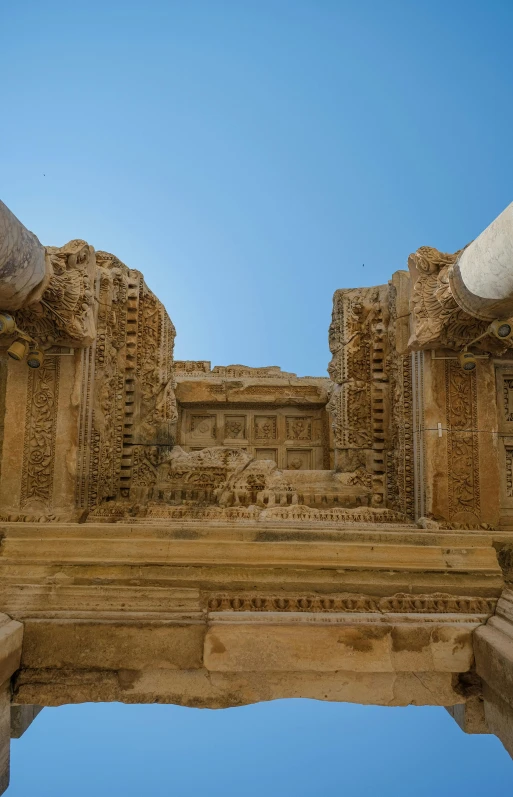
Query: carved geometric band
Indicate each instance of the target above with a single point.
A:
(401, 603)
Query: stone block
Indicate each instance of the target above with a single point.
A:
(328, 647)
(470, 715)
(22, 718)
(133, 645)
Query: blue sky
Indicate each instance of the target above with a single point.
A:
(250, 157)
(287, 748)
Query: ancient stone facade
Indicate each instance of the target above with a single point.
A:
(217, 536)
(90, 420)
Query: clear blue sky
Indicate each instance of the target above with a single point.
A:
(249, 156)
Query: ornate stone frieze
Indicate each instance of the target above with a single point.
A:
(401, 603)
(190, 508)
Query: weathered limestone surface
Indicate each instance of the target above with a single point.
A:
(470, 715)
(236, 613)
(217, 536)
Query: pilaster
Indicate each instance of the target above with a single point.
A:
(11, 634)
(493, 650)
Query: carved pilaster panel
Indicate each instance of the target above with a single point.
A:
(360, 368)
(401, 451)
(462, 443)
(3, 387)
(127, 403)
(401, 456)
(504, 378)
(509, 472)
(420, 446)
(39, 441)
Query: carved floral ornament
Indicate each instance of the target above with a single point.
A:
(438, 321)
(65, 313)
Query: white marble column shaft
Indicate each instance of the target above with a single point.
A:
(482, 278)
(23, 267)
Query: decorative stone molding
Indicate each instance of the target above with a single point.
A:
(436, 603)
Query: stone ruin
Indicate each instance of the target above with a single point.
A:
(172, 532)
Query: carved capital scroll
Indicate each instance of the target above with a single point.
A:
(65, 314)
(440, 317)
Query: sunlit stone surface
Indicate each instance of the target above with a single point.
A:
(178, 533)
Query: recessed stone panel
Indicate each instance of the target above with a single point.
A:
(265, 427)
(235, 427)
(203, 427)
(299, 428)
(299, 459)
(266, 453)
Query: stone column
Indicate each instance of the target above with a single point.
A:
(493, 650)
(11, 635)
(24, 270)
(482, 277)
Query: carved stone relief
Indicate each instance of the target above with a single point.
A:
(235, 427)
(64, 315)
(40, 428)
(509, 472)
(128, 410)
(462, 443)
(298, 441)
(265, 427)
(360, 368)
(126, 395)
(299, 428)
(437, 318)
(438, 603)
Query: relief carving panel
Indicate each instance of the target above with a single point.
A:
(265, 427)
(361, 369)
(271, 436)
(462, 443)
(299, 428)
(299, 459)
(40, 429)
(235, 427)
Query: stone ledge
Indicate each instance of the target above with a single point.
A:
(177, 544)
(202, 689)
